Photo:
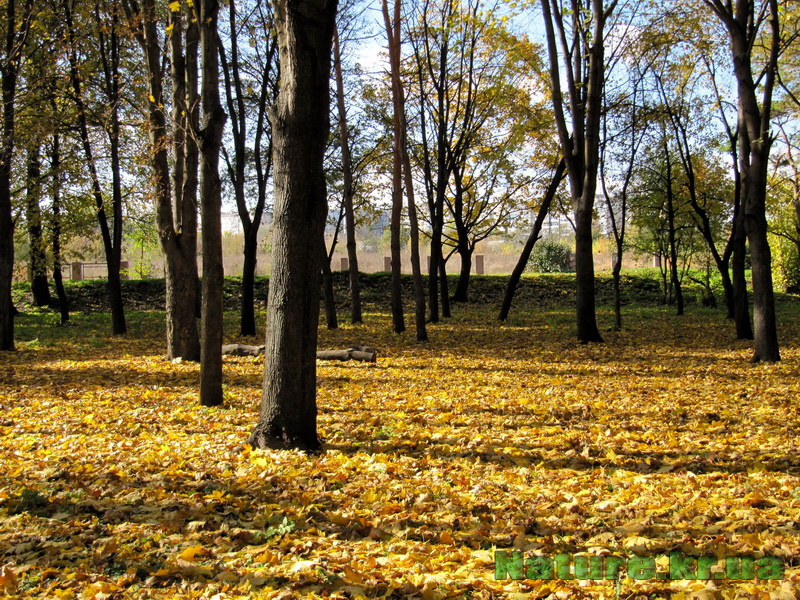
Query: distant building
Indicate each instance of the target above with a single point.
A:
(231, 223)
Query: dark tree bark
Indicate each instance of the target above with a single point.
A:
(742, 22)
(736, 296)
(463, 247)
(301, 125)
(183, 338)
(235, 93)
(40, 288)
(402, 162)
(671, 231)
(55, 228)
(16, 34)
(444, 287)
(176, 214)
(347, 192)
(583, 56)
(331, 321)
(111, 234)
(461, 293)
(519, 268)
(435, 160)
(635, 130)
(392, 34)
(416, 267)
(701, 218)
(214, 118)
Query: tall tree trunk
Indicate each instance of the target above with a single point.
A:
(40, 288)
(615, 277)
(754, 141)
(584, 274)
(433, 272)
(183, 273)
(55, 227)
(741, 304)
(393, 39)
(176, 215)
(191, 179)
(331, 321)
(301, 127)
(462, 285)
(115, 263)
(214, 118)
(111, 235)
(416, 267)
(525, 255)
(248, 306)
(462, 238)
(347, 192)
(9, 69)
(671, 233)
(110, 62)
(443, 288)
(580, 145)
(235, 93)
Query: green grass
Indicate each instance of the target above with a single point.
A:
(547, 297)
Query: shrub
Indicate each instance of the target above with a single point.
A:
(786, 265)
(550, 257)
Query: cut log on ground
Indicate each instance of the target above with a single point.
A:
(242, 350)
(359, 353)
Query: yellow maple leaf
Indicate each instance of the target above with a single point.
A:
(190, 554)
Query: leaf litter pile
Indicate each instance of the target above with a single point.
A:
(117, 484)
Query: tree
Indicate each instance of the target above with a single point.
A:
(210, 136)
(17, 27)
(300, 128)
(55, 226)
(627, 114)
(438, 24)
(682, 56)
(251, 86)
(738, 308)
(402, 167)
(578, 110)
(785, 208)
(743, 20)
(347, 191)
(662, 212)
(533, 237)
(393, 40)
(496, 113)
(176, 187)
(40, 289)
(106, 25)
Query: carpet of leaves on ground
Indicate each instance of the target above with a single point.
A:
(116, 484)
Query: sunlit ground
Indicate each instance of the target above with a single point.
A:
(115, 483)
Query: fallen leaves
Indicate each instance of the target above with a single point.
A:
(117, 484)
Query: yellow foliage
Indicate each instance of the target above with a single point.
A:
(117, 484)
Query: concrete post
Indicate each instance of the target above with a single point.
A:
(479, 264)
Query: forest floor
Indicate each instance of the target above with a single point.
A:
(116, 484)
